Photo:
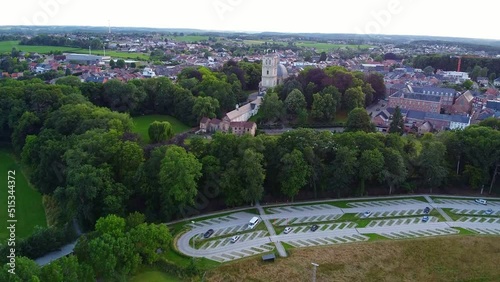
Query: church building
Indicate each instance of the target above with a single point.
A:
(273, 73)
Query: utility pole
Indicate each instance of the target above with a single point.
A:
(314, 271)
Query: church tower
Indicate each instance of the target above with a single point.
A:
(270, 71)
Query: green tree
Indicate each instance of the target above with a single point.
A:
(358, 120)
(120, 63)
(432, 164)
(354, 98)
(344, 169)
(429, 70)
(112, 64)
(394, 172)
(25, 270)
(252, 175)
(294, 172)
(179, 175)
(134, 219)
(205, 107)
(272, 107)
(322, 57)
(397, 125)
(148, 238)
(295, 102)
(52, 272)
(160, 131)
(468, 84)
(371, 164)
(323, 107)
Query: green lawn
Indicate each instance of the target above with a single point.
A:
(29, 209)
(141, 125)
(344, 203)
(154, 276)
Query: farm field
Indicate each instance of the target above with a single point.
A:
(450, 258)
(142, 124)
(29, 208)
(190, 38)
(320, 47)
(6, 46)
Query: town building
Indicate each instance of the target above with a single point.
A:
(237, 127)
(407, 99)
(86, 59)
(273, 73)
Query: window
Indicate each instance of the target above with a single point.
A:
(268, 72)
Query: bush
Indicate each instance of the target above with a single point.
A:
(41, 242)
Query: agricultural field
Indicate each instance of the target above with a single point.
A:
(190, 38)
(142, 123)
(323, 47)
(6, 47)
(450, 258)
(29, 208)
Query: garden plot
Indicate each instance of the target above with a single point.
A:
(241, 253)
(372, 204)
(222, 242)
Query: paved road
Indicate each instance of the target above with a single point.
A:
(332, 232)
(270, 229)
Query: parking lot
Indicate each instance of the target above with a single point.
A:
(393, 219)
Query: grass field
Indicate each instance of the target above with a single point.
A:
(28, 202)
(320, 47)
(141, 125)
(154, 276)
(190, 38)
(6, 46)
(451, 258)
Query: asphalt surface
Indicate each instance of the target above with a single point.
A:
(407, 224)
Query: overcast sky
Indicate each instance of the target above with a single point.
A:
(474, 19)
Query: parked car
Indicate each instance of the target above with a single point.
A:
(367, 213)
(287, 230)
(481, 201)
(208, 233)
(314, 227)
(427, 210)
(488, 212)
(378, 109)
(235, 238)
(425, 218)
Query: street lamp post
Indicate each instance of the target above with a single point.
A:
(314, 271)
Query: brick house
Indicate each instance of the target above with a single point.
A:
(236, 127)
(409, 100)
(463, 104)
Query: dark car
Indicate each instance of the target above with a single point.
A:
(314, 227)
(427, 210)
(208, 233)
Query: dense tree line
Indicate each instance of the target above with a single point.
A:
(319, 94)
(447, 63)
(51, 40)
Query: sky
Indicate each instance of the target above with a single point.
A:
(476, 19)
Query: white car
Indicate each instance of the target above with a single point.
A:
(235, 238)
(367, 213)
(481, 201)
(425, 218)
(287, 230)
(488, 212)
